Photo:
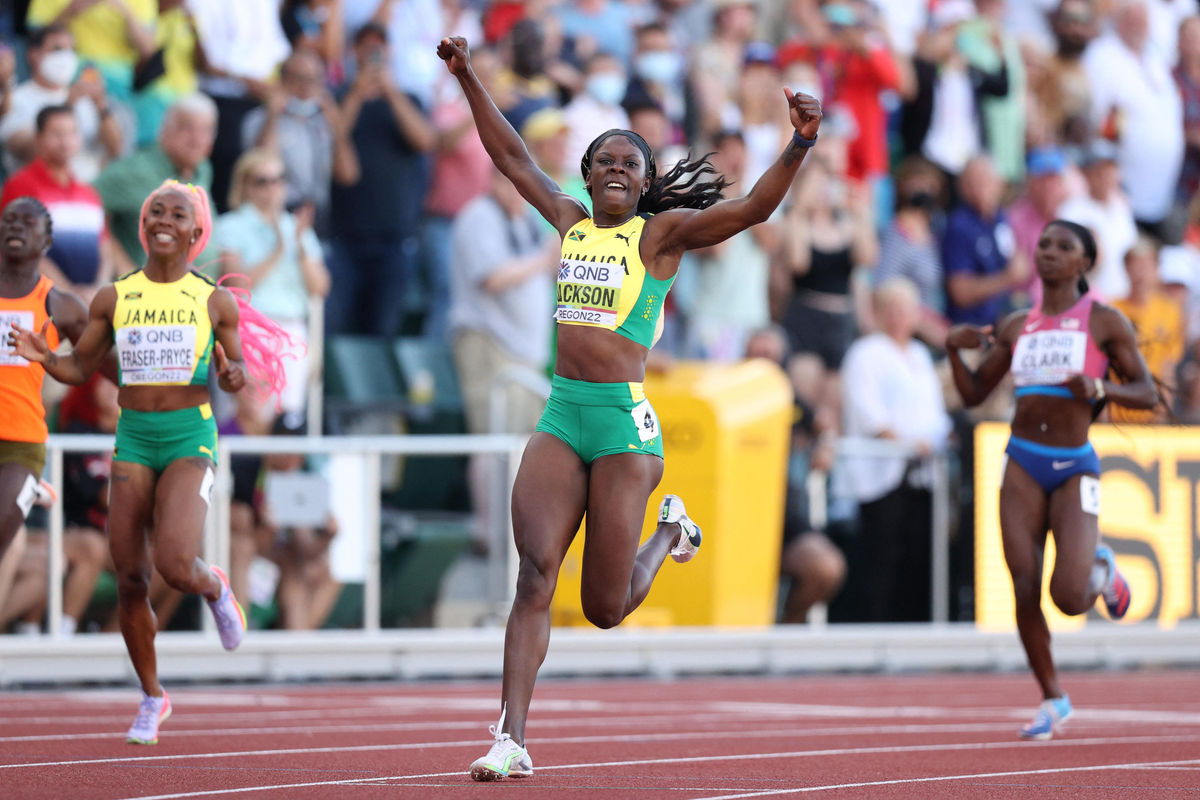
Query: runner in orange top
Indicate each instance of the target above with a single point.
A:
(30, 300)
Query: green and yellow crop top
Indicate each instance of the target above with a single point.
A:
(602, 282)
(162, 331)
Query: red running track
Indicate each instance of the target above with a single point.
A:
(1134, 735)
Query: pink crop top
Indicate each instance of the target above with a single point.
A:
(1052, 349)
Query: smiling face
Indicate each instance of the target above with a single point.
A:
(170, 225)
(24, 232)
(1060, 255)
(617, 176)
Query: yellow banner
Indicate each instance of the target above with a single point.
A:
(1148, 516)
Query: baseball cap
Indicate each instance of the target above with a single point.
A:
(1045, 161)
(759, 53)
(543, 124)
(1098, 151)
(951, 12)
(840, 14)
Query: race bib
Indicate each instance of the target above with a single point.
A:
(7, 318)
(588, 292)
(646, 420)
(1048, 357)
(156, 354)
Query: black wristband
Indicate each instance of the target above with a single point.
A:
(800, 141)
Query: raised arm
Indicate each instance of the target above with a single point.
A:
(93, 344)
(506, 148)
(975, 385)
(688, 229)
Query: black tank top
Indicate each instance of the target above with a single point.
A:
(829, 272)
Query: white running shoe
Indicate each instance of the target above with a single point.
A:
(231, 620)
(152, 712)
(671, 510)
(506, 759)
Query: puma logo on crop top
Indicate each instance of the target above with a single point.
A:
(163, 333)
(1050, 349)
(602, 282)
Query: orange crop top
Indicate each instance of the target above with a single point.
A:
(22, 415)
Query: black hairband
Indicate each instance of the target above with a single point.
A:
(585, 163)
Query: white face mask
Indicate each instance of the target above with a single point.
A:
(303, 108)
(607, 87)
(58, 67)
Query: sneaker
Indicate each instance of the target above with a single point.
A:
(1116, 592)
(506, 759)
(671, 510)
(231, 620)
(1049, 719)
(152, 712)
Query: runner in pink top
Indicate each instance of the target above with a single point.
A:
(1059, 354)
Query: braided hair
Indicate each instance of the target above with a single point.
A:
(685, 185)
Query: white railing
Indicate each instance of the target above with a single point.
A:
(370, 449)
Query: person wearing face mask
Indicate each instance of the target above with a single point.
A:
(56, 79)
(598, 106)
(302, 122)
(659, 75)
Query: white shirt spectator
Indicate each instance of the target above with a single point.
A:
(1143, 93)
(414, 28)
(889, 388)
(1112, 223)
(242, 37)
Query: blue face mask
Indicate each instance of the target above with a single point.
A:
(659, 66)
(608, 88)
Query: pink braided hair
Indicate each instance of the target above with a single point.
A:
(264, 343)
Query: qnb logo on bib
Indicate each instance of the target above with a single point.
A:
(1048, 357)
(24, 319)
(589, 291)
(158, 354)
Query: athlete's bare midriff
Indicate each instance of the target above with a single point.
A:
(598, 355)
(162, 398)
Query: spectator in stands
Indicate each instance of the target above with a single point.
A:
(55, 79)
(943, 120)
(1104, 209)
(660, 77)
(1187, 78)
(827, 233)
(412, 28)
(546, 134)
(8, 77)
(909, 246)
(1158, 323)
(763, 124)
(729, 299)
(81, 258)
(814, 566)
(718, 62)
(170, 73)
(979, 255)
(1062, 91)
(303, 124)
(242, 44)
(184, 145)
(898, 397)
(525, 87)
(858, 67)
(116, 36)
(1045, 191)
(990, 49)
(598, 106)
(318, 26)
(603, 24)
(376, 221)
(1136, 103)
(278, 252)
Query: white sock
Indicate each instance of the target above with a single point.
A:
(69, 625)
(29, 628)
(1098, 578)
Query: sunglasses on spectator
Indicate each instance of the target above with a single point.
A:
(265, 180)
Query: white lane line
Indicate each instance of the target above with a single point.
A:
(943, 778)
(1058, 743)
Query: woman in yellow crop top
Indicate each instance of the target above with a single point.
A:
(165, 321)
(598, 448)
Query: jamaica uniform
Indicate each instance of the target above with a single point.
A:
(164, 337)
(603, 283)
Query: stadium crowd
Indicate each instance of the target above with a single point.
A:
(350, 180)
